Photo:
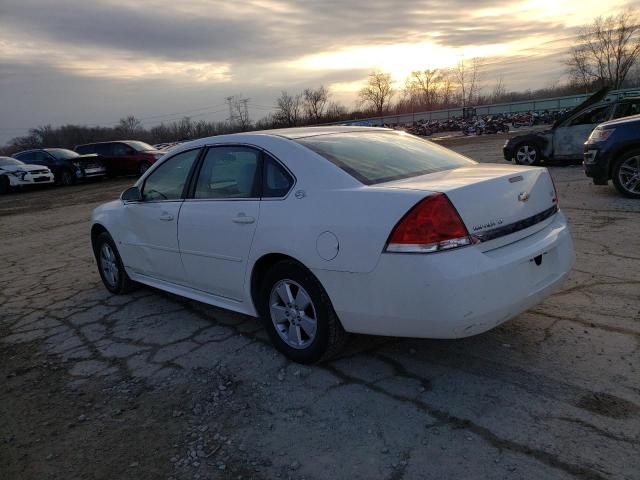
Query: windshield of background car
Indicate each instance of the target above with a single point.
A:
(7, 162)
(377, 157)
(140, 146)
(62, 153)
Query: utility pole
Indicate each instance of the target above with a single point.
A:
(232, 117)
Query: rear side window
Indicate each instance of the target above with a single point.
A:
(276, 181)
(26, 157)
(627, 109)
(377, 157)
(85, 149)
(103, 149)
(228, 172)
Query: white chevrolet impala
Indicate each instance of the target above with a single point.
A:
(327, 230)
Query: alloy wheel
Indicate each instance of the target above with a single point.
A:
(293, 314)
(629, 175)
(526, 155)
(109, 265)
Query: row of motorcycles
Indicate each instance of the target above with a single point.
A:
(489, 124)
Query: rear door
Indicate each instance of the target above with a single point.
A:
(218, 222)
(150, 234)
(569, 137)
(105, 155)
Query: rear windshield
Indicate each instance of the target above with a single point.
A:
(376, 157)
(140, 146)
(62, 153)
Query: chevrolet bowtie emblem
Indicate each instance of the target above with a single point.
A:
(523, 197)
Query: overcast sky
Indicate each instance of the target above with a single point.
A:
(94, 61)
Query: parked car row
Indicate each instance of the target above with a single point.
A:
(67, 167)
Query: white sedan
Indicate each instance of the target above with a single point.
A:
(14, 173)
(327, 230)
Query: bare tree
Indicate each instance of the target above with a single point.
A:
(314, 102)
(239, 113)
(606, 51)
(499, 90)
(378, 91)
(424, 85)
(129, 127)
(447, 89)
(289, 109)
(467, 75)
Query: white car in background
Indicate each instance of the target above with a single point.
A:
(327, 230)
(14, 173)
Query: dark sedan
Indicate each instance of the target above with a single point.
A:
(67, 166)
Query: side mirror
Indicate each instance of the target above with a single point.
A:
(131, 194)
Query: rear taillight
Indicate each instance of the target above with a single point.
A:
(432, 225)
(555, 198)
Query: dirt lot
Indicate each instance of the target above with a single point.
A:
(151, 386)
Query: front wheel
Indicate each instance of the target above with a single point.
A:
(110, 265)
(67, 178)
(527, 154)
(626, 174)
(298, 315)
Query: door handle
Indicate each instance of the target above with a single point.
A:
(167, 217)
(242, 218)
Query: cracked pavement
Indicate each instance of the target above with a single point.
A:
(150, 385)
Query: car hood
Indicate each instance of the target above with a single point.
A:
(23, 168)
(621, 121)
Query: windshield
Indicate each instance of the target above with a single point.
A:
(376, 157)
(62, 153)
(6, 161)
(140, 146)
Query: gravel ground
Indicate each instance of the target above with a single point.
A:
(150, 385)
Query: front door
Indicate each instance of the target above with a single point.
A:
(217, 224)
(150, 240)
(569, 137)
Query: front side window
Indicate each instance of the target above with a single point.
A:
(104, 149)
(168, 180)
(591, 117)
(229, 172)
(627, 109)
(375, 157)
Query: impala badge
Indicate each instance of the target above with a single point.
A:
(523, 197)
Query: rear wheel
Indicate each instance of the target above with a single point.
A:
(626, 174)
(110, 266)
(298, 315)
(527, 154)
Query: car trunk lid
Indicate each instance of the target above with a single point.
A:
(498, 204)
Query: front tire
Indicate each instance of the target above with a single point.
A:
(112, 272)
(67, 178)
(527, 154)
(143, 167)
(298, 315)
(626, 174)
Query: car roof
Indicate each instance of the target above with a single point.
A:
(108, 141)
(301, 132)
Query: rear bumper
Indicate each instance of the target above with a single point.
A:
(452, 294)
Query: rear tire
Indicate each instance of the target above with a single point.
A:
(626, 174)
(110, 266)
(291, 299)
(527, 154)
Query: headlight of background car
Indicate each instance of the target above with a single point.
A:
(600, 134)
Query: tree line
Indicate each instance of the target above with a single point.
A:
(605, 54)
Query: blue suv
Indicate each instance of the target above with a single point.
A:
(612, 152)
